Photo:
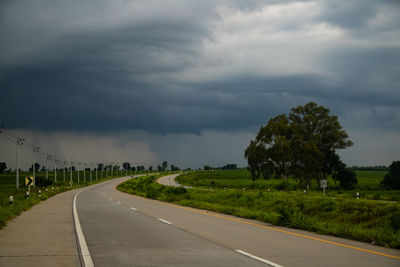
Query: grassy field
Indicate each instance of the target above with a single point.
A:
(368, 184)
(8, 188)
(363, 220)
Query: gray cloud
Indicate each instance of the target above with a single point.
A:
(185, 68)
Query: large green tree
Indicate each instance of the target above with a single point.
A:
(318, 135)
(301, 144)
(270, 152)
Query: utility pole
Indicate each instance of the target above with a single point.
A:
(48, 157)
(112, 167)
(35, 150)
(97, 167)
(70, 172)
(79, 163)
(55, 169)
(90, 171)
(65, 166)
(20, 142)
(84, 172)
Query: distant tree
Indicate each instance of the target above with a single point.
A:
(164, 165)
(3, 167)
(174, 168)
(346, 176)
(37, 167)
(100, 166)
(150, 168)
(392, 178)
(229, 167)
(207, 168)
(126, 166)
(159, 168)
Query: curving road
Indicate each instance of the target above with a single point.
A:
(125, 230)
(169, 180)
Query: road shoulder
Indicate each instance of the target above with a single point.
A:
(41, 236)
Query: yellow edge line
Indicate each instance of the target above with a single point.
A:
(266, 227)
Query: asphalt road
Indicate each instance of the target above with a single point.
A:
(125, 230)
(169, 180)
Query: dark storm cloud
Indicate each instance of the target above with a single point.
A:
(173, 67)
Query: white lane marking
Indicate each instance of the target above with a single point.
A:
(87, 260)
(132, 208)
(258, 258)
(164, 221)
(118, 202)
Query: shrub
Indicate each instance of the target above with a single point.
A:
(392, 179)
(42, 182)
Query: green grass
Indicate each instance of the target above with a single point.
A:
(8, 188)
(368, 184)
(363, 220)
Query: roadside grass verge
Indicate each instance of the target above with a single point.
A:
(364, 220)
(20, 204)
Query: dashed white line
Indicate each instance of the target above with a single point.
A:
(132, 208)
(118, 202)
(258, 258)
(164, 221)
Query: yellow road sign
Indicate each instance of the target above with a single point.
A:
(29, 181)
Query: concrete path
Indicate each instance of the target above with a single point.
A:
(41, 236)
(169, 180)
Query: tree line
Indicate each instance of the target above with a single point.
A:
(301, 144)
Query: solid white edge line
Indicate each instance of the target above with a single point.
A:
(164, 221)
(132, 208)
(258, 258)
(87, 260)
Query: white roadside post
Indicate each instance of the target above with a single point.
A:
(20, 142)
(323, 184)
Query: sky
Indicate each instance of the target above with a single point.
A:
(192, 82)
